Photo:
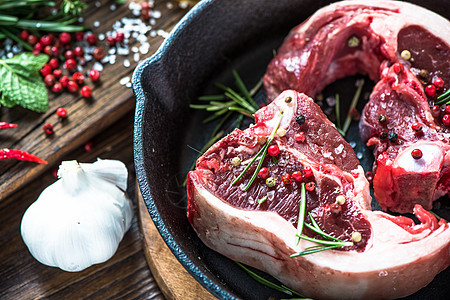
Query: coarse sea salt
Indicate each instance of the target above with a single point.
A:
(124, 80)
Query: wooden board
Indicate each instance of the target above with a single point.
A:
(86, 118)
(172, 278)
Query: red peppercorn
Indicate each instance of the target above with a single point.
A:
(99, 53)
(69, 54)
(299, 137)
(263, 173)
(417, 126)
(79, 35)
(88, 146)
(447, 109)
(145, 14)
(64, 38)
(24, 35)
(57, 73)
(438, 83)
(430, 90)
(91, 39)
(48, 50)
(55, 51)
(49, 80)
(416, 154)
(297, 176)
(335, 209)
(94, 75)
(72, 86)
(64, 81)
(86, 92)
(78, 51)
(32, 40)
(145, 5)
(78, 77)
(369, 176)
(446, 119)
(273, 150)
(57, 87)
(397, 68)
(111, 40)
(38, 47)
(120, 37)
(286, 177)
(310, 186)
(48, 128)
(70, 64)
(45, 70)
(61, 112)
(46, 40)
(307, 172)
(436, 111)
(53, 63)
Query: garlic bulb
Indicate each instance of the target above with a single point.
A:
(80, 219)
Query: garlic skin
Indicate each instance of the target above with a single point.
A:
(80, 219)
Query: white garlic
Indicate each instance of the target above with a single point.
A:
(80, 219)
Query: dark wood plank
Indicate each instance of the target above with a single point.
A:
(86, 118)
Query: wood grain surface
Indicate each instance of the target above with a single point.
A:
(107, 121)
(172, 278)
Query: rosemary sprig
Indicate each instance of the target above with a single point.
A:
(261, 153)
(348, 119)
(445, 97)
(329, 242)
(338, 112)
(280, 288)
(262, 199)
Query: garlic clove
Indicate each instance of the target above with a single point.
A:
(80, 219)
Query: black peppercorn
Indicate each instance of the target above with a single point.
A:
(382, 118)
(383, 135)
(392, 136)
(300, 119)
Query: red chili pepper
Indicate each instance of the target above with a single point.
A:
(19, 155)
(4, 125)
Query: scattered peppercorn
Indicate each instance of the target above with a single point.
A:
(88, 146)
(353, 41)
(369, 176)
(94, 75)
(91, 39)
(78, 51)
(405, 54)
(271, 182)
(53, 63)
(300, 119)
(446, 119)
(299, 137)
(45, 70)
(435, 111)
(99, 53)
(417, 126)
(438, 83)
(61, 112)
(310, 186)
(64, 81)
(57, 73)
(356, 237)
(397, 68)
(416, 154)
(382, 118)
(340, 199)
(383, 135)
(335, 209)
(49, 80)
(64, 38)
(392, 136)
(72, 86)
(288, 100)
(86, 92)
(263, 173)
(273, 150)
(307, 171)
(430, 90)
(24, 35)
(48, 128)
(57, 88)
(236, 161)
(78, 77)
(32, 40)
(424, 76)
(447, 109)
(287, 178)
(297, 176)
(70, 64)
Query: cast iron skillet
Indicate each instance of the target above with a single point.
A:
(213, 38)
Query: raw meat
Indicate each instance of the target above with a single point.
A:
(368, 37)
(394, 257)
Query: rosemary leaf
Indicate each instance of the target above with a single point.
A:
(268, 283)
(326, 242)
(301, 214)
(311, 251)
(443, 98)
(243, 89)
(211, 97)
(353, 104)
(338, 112)
(262, 199)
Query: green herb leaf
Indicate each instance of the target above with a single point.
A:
(21, 82)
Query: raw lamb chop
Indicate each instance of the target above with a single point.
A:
(388, 257)
(405, 49)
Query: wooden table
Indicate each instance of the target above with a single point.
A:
(107, 122)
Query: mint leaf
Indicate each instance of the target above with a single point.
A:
(21, 82)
